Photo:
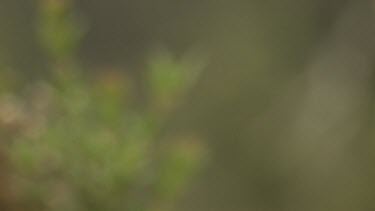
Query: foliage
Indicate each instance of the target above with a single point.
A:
(80, 143)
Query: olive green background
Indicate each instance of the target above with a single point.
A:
(286, 102)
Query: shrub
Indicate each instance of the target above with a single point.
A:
(80, 143)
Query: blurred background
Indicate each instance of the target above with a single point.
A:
(166, 105)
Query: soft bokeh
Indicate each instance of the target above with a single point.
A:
(166, 105)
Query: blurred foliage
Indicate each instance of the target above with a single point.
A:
(286, 104)
(60, 29)
(79, 143)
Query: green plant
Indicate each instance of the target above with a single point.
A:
(82, 145)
